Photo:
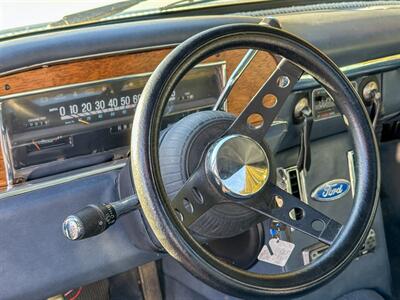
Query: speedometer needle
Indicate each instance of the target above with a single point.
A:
(83, 122)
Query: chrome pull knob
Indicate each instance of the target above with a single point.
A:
(90, 221)
(73, 228)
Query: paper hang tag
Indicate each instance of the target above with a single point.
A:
(277, 252)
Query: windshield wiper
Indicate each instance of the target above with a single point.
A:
(182, 3)
(96, 13)
(102, 12)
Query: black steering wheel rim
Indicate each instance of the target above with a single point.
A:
(147, 176)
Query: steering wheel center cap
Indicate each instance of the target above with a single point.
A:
(238, 164)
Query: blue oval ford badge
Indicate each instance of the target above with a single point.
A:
(331, 190)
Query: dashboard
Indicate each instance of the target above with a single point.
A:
(63, 117)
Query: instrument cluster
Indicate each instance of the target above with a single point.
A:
(49, 127)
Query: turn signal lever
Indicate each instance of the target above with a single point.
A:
(94, 219)
(303, 114)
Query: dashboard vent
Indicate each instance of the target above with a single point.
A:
(294, 182)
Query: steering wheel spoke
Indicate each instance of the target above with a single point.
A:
(193, 199)
(255, 120)
(293, 212)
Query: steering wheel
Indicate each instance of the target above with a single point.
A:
(229, 184)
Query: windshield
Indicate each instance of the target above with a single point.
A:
(26, 16)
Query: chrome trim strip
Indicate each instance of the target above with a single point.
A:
(33, 186)
(350, 162)
(303, 188)
(382, 64)
(373, 62)
(224, 80)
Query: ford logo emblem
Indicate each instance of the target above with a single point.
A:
(331, 190)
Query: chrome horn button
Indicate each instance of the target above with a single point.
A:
(238, 164)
